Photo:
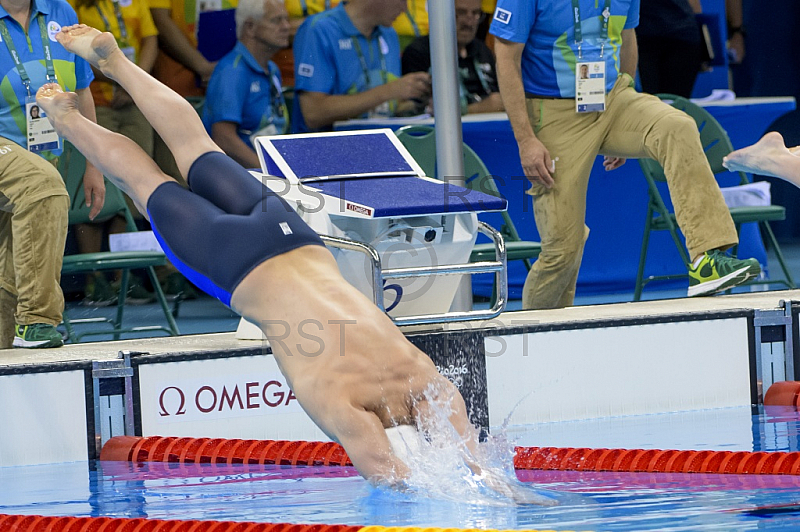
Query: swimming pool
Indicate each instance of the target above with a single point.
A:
(336, 495)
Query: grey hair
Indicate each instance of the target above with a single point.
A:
(247, 10)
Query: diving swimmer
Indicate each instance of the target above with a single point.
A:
(357, 375)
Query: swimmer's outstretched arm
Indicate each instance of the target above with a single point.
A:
(769, 156)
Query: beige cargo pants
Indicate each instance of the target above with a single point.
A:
(634, 125)
(34, 208)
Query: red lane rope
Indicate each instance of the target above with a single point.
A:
(37, 523)
(222, 451)
(657, 461)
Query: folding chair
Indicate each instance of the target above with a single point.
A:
(716, 145)
(72, 165)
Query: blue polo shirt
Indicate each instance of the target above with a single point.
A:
(73, 73)
(548, 31)
(240, 91)
(333, 57)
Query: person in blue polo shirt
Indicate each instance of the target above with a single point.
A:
(33, 218)
(244, 97)
(562, 121)
(347, 65)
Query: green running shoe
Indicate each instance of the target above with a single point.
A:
(37, 335)
(718, 272)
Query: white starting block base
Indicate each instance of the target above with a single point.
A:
(364, 187)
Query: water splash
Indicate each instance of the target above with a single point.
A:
(448, 466)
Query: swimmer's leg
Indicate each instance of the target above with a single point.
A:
(769, 156)
(118, 158)
(171, 115)
(227, 184)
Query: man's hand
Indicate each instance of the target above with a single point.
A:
(94, 190)
(205, 71)
(536, 162)
(612, 163)
(415, 85)
(736, 47)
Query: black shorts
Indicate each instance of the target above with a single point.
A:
(225, 225)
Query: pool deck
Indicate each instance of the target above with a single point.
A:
(559, 317)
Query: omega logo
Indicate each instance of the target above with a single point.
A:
(172, 400)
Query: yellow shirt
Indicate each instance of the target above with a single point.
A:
(312, 7)
(184, 13)
(414, 21)
(138, 25)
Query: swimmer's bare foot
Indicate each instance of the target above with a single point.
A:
(100, 49)
(763, 158)
(57, 104)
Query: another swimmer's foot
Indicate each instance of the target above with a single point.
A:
(100, 49)
(760, 158)
(57, 104)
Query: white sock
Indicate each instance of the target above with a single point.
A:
(697, 261)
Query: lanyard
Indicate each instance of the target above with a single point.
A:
(365, 67)
(304, 6)
(23, 74)
(123, 29)
(576, 20)
(277, 102)
(413, 22)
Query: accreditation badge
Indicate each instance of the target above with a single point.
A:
(590, 87)
(42, 135)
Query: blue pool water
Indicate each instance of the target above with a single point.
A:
(589, 501)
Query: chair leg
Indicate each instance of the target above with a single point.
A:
(68, 325)
(778, 253)
(121, 297)
(162, 300)
(637, 293)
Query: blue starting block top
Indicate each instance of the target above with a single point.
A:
(384, 197)
(332, 156)
(366, 174)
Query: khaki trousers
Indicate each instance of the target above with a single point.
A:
(634, 125)
(34, 208)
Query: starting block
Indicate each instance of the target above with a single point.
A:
(401, 238)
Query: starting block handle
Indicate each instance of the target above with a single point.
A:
(498, 267)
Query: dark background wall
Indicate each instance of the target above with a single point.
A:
(772, 68)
